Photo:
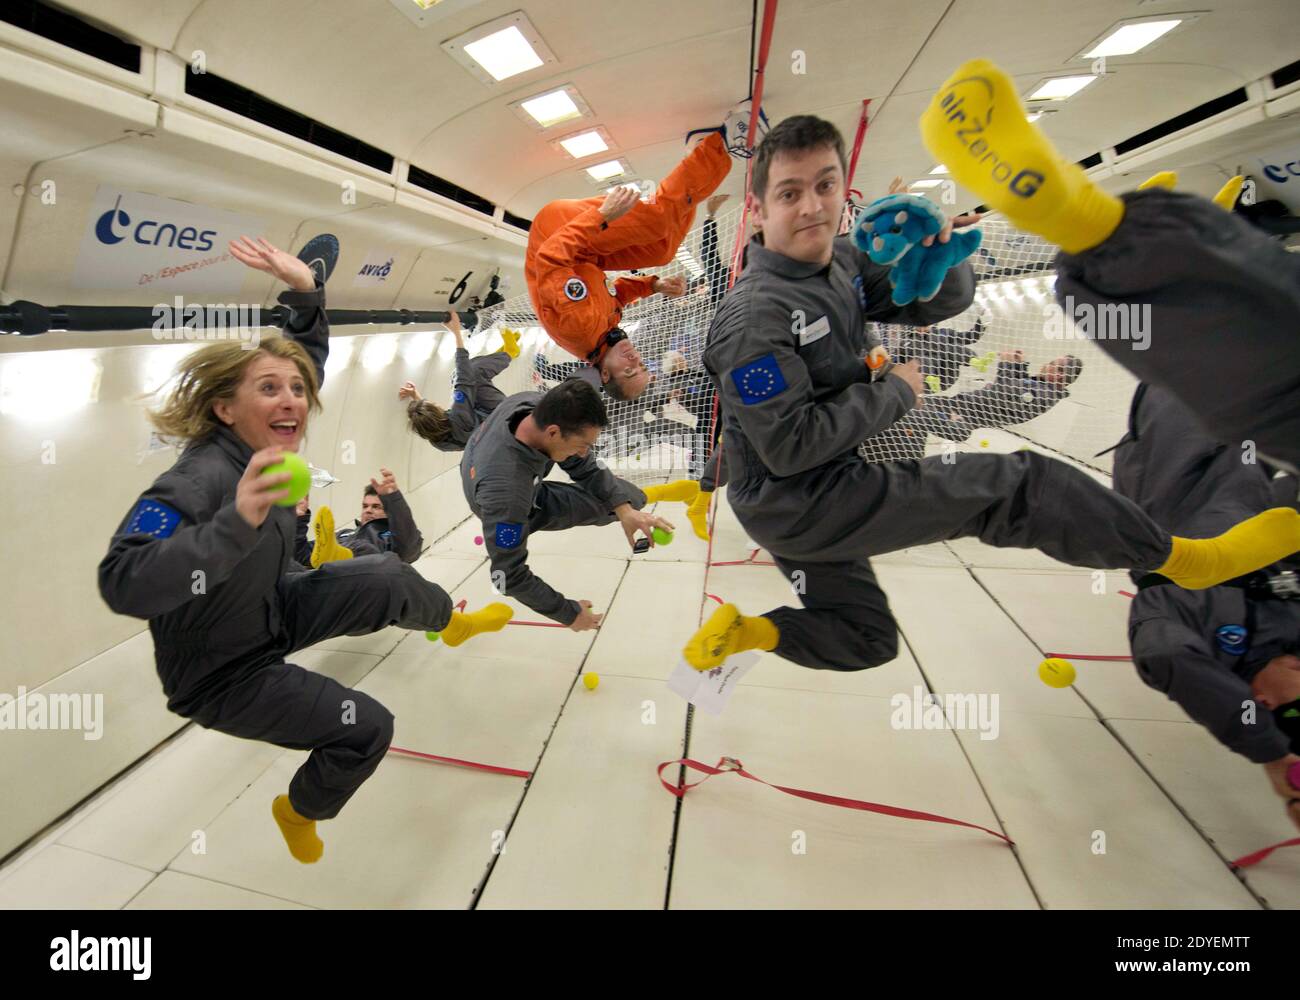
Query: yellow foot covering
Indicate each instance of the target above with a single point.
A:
(299, 832)
(976, 126)
(463, 627)
(327, 547)
(728, 632)
(1167, 179)
(684, 490)
(698, 514)
(510, 342)
(1196, 563)
(1228, 194)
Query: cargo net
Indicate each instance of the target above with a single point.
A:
(1009, 372)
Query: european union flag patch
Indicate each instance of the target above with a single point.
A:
(509, 535)
(458, 396)
(759, 381)
(153, 517)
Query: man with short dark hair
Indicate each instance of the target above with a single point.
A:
(386, 524)
(503, 473)
(786, 352)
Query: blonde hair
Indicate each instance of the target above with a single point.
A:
(214, 373)
(429, 420)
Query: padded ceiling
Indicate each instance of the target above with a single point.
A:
(651, 72)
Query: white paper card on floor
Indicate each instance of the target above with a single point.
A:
(710, 690)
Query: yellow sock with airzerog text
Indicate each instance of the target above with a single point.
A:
(299, 832)
(684, 490)
(976, 126)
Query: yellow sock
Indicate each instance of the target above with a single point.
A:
(327, 547)
(726, 632)
(510, 342)
(976, 126)
(1196, 563)
(679, 489)
(492, 618)
(1167, 179)
(698, 514)
(299, 831)
(1228, 194)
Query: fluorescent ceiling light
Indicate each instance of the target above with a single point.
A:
(1130, 38)
(604, 171)
(1034, 116)
(939, 168)
(418, 348)
(584, 144)
(504, 54)
(551, 109)
(500, 49)
(926, 184)
(1061, 87)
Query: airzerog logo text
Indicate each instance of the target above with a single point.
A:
(94, 954)
(970, 131)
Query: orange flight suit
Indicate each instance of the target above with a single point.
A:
(571, 246)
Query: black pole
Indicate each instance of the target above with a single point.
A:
(30, 318)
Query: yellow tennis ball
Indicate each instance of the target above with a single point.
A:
(1056, 672)
(984, 442)
(590, 681)
(299, 485)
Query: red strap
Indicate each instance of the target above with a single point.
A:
(857, 146)
(461, 763)
(731, 764)
(1084, 656)
(1253, 859)
(764, 44)
(539, 624)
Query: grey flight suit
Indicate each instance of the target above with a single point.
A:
(225, 608)
(1012, 398)
(474, 397)
(394, 533)
(798, 400)
(1225, 314)
(505, 485)
(1197, 487)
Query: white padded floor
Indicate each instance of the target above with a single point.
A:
(1108, 760)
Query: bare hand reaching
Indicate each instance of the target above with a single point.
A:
(262, 256)
(255, 494)
(619, 202)
(586, 620)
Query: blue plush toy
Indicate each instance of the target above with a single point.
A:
(890, 231)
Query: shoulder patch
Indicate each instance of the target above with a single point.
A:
(459, 396)
(575, 289)
(759, 380)
(153, 517)
(1232, 639)
(509, 534)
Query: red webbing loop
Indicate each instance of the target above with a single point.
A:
(730, 764)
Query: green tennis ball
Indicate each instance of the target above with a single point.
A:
(298, 485)
(660, 536)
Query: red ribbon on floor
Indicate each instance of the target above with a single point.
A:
(1253, 859)
(461, 763)
(731, 764)
(745, 562)
(1085, 656)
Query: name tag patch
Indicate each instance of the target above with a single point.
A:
(759, 380)
(814, 332)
